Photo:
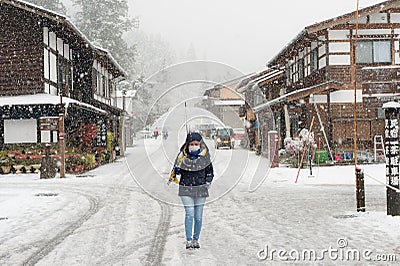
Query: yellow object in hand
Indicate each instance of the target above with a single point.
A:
(173, 178)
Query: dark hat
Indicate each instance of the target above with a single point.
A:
(193, 136)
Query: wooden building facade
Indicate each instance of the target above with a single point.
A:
(318, 79)
(43, 56)
(224, 102)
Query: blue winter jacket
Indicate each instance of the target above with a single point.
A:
(196, 172)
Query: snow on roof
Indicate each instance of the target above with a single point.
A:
(282, 98)
(109, 55)
(350, 17)
(270, 75)
(42, 98)
(381, 67)
(258, 78)
(287, 47)
(377, 95)
(228, 83)
(29, 4)
(229, 102)
(391, 105)
(249, 78)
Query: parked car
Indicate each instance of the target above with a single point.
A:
(224, 137)
(240, 136)
(143, 134)
(238, 133)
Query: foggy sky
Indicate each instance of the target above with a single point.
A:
(243, 34)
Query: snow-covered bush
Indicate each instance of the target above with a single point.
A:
(294, 147)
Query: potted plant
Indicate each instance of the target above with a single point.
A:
(90, 161)
(75, 163)
(5, 162)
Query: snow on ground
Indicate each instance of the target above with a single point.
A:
(312, 214)
(124, 214)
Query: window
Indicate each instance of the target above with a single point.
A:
(53, 67)
(294, 125)
(370, 52)
(96, 80)
(53, 41)
(380, 113)
(300, 69)
(103, 79)
(56, 63)
(290, 72)
(314, 60)
(64, 76)
(288, 76)
(46, 64)
(20, 131)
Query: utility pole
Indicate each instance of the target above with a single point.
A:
(360, 193)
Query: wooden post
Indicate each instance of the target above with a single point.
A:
(124, 126)
(319, 152)
(310, 157)
(273, 148)
(354, 73)
(360, 193)
(61, 139)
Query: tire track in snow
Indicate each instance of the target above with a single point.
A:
(114, 209)
(114, 198)
(48, 246)
(131, 248)
(160, 238)
(25, 226)
(155, 255)
(157, 243)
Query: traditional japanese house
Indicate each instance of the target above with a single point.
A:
(46, 63)
(319, 80)
(224, 101)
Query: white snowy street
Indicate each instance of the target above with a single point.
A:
(105, 218)
(113, 113)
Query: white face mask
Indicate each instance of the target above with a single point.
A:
(194, 148)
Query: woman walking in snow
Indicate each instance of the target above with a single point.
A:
(194, 165)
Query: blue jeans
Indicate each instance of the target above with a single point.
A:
(193, 211)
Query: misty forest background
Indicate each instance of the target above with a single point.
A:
(110, 25)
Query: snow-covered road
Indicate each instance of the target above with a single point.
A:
(124, 214)
(101, 218)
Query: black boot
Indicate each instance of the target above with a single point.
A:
(195, 244)
(189, 245)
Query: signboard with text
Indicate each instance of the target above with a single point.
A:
(48, 123)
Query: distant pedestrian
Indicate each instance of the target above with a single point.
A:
(165, 134)
(155, 133)
(194, 166)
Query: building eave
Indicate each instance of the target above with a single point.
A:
(352, 15)
(301, 94)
